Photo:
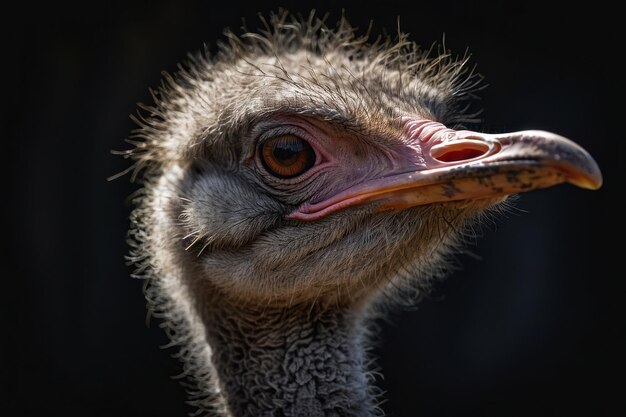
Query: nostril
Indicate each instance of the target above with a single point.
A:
(459, 151)
(460, 155)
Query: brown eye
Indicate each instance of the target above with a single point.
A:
(286, 156)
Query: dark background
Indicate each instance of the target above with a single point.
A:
(531, 325)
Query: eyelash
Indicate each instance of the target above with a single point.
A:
(282, 130)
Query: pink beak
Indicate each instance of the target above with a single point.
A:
(465, 165)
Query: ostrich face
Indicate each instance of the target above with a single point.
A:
(286, 175)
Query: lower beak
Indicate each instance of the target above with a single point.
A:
(465, 165)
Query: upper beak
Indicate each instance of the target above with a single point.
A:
(465, 165)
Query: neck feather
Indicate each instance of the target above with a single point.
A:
(293, 362)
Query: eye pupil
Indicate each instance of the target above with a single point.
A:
(287, 152)
(286, 156)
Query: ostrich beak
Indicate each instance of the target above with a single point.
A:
(448, 165)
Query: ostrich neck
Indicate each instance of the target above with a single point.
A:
(298, 361)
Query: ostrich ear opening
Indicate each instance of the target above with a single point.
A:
(466, 165)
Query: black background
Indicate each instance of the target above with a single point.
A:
(531, 325)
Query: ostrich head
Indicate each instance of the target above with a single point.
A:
(290, 182)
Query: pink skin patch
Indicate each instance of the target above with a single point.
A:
(431, 145)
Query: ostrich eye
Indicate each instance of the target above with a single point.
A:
(286, 156)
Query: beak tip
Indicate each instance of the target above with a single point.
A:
(589, 177)
(591, 182)
(578, 166)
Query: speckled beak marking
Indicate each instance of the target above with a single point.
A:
(449, 165)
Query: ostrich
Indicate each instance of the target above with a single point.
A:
(295, 186)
